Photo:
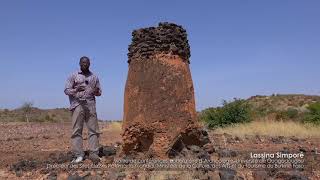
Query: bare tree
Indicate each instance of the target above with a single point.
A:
(26, 107)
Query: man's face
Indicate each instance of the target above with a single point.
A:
(84, 65)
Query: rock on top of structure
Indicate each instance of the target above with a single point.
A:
(166, 38)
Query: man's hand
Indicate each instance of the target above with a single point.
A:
(97, 92)
(80, 88)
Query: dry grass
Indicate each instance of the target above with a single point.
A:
(273, 128)
(113, 126)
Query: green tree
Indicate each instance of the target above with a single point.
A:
(313, 116)
(237, 111)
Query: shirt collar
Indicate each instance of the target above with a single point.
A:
(80, 72)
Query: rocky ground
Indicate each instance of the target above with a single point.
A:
(42, 151)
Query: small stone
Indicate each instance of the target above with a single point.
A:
(194, 148)
(260, 175)
(291, 175)
(30, 137)
(209, 148)
(302, 149)
(227, 153)
(46, 137)
(237, 138)
(19, 173)
(75, 177)
(294, 139)
(227, 174)
(109, 150)
(52, 176)
(121, 175)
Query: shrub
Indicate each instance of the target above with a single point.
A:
(237, 111)
(290, 113)
(313, 116)
(48, 118)
(27, 107)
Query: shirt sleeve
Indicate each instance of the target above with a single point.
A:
(69, 90)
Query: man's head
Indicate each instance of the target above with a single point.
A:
(84, 64)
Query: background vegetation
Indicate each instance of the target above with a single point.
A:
(281, 108)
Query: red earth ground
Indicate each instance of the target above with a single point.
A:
(38, 142)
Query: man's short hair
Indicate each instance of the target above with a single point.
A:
(84, 58)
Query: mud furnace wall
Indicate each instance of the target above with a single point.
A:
(159, 104)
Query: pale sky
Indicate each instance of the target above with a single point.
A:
(238, 48)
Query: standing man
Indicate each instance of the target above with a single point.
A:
(82, 87)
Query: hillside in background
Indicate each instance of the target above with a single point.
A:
(282, 106)
(35, 115)
(283, 102)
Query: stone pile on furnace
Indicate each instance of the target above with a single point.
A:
(165, 38)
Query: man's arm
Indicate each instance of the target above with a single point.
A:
(98, 90)
(69, 87)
